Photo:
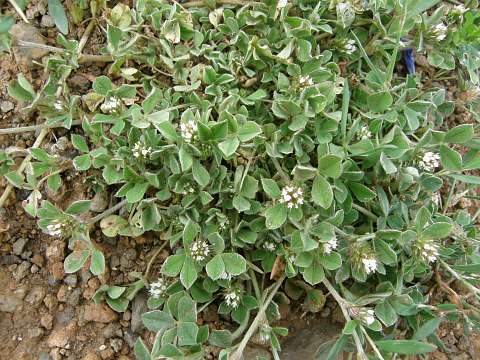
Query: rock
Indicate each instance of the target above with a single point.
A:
(36, 296)
(34, 269)
(56, 251)
(38, 260)
(115, 261)
(107, 354)
(71, 280)
(251, 353)
(110, 330)
(19, 245)
(35, 332)
(139, 307)
(47, 21)
(50, 302)
(99, 313)
(8, 303)
(25, 56)
(116, 344)
(21, 271)
(63, 317)
(80, 84)
(45, 356)
(129, 338)
(85, 275)
(91, 356)
(58, 272)
(47, 321)
(59, 337)
(62, 293)
(35, 10)
(11, 259)
(127, 315)
(6, 106)
(74, 297)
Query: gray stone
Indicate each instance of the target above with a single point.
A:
(26, 55)
(19, 245)
(74, 297)
(63, 317)
(115, 261)
(71, 280)
(85, 275)
(116, 344)
(251, 353)
(8, 303)
(139, 307)
(35, 332)
(45, 356)
(36, 295)
(34, 269)
(6, 106)
(79, 84)
(129, 338)
(11, 259)
(21, 271)
(110, 330)
(100, 201)
(47, 21)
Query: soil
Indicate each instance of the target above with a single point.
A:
(46, 314)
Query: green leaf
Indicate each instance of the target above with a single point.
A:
(275, 216)
(379, 102)
(187, 309)
(141, 350)
(6, 22)
(75, 261)
(229, 146)
(157, 320)
(427, 329)
(115, 292)
(186, 160)
(451, 160)
(167, 130)
(137, 192)
(459, 134)
(188, 275)
(57, 12)
(330, 261)
(187, 333)
(322, 193)
(350, 327)
(271, 188)
(248, 131)
(97, 263)
(361, 192)
(102, 85)
(386, 313)
(385, 253)
(330, 166)
(14, 178)
(18, 92)
(405, 347)
(79, 143)
(82, 162)
(241, 204)
(79, 207)
(221, 338)
(314, 274)
(438, 230)
(201, 176)
(235, 264)
(173, 265)
(215, 267)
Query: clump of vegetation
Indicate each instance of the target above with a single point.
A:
(273, 148)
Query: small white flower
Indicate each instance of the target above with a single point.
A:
(281, 4)
(369, 264)
(364, 315)
(292, 196)
(330, 245)
(429, 161)
(364, 133)
(158, 288)
(305, 81)
(199, 250)
(59, 227)
(141, 150)
(232, 298)
(346, 46)
(458, 10)
(438, 32)
(224, 224)
(58, 105)
(111, 105)
(189, 130)
(426, 250)
(225, 276)
(269, 246)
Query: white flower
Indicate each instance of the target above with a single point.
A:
(293, 196)
(199, 250)
(141, 150)
(189, 130)
(347, 46)
(158, 288)
(58, 105)
(305, 81)
(364, 315)
(458, 10)
(369, 264)
(430, 161)
(111, 105)
(269, 246)
(225, 276)
(426, 250)
(224, 224)
(232, 298)
(330, 245)
(59, 227)
(364, 133)
(438, 32)
(281, 4)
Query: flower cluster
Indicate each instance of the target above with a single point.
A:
(60, 227)
(346, 46)
(189, 130)
(189, 188)
(437, 32)
(224, 224)
(141, 150)
(364, 315)
(425, 250)
(158, 288)
(58, 105)
(429, 161)
(232, 298)
(305, 81)
(269, 246)
(292, 196)
(111, 105)
(330, 245)
(225, 276)
(199, 250)
(369, 264)
(364, 133)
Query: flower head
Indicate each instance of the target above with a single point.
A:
(370, 264)
(189, 130)
(330, 245)
(425, 250)
(270, 246)
(292, 196)
(111, 105)
(233, 297)
(58, 105)
(225, 276)
(429, 161)
(346, 46)
(199, 250)
(305, 81)
(61, 227)
(158, 288)
(363, 133)
(141, 150)
(437, 32)
(364, 315)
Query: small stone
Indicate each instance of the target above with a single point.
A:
(36, 296)
(58, 337)
(74, 297)
(22, 291)
(25, 56)
(11, 259)
(47, 321)
(102, 347)
(85, 275)
(79, 84)
(6, 106)
(63, 317)
(127, 315)
(110, 330)
(129, 338)
(107, 354)
(58, 271)
(139, 307)
(71, 280)
(62, 293)
(50, 301)
(91, 356)
(21, 271)
(38, 260)
(19, 245)
(35, 333)
(47, 21)
(99, 313)
(56, 251)
(116, 344)
(45, 356)
(34, 269)
(8, 303)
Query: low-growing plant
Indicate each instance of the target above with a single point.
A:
(277, 151)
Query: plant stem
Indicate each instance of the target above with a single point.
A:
(22, 166)
(19, 10)
(280, 170)
(32, 128)
(449, 197)
(459, 277)
(220, 2)
(150, 263)
(86, 36)
(237, 333)
(365, 212)
(341, 302)
(372, 344)
(107, 212)
(256, 322)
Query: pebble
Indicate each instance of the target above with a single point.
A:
(47, 321)
(19, 245)
(62, 293)
(47, 21)
(99, 313)
(58, 272)
(38, 260)
(99, 202)
(36, 10)
(74, 297)
(24, 56)
(11, 259)
(139, 307)
(21, 271)
(6, 106)
(59, 337)
(102, 347)
(56, 251)
(63, 317)
(50, 301)
(116, 344)
(8, 303)
(35, 332)
(34, 269)
(45, 356)
(36, 296)
(107, 354)
(129, 338)
(85, 275)
(71, 280)
(79, 84)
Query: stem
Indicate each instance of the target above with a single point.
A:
(150, 263)
(372, 343)
(19, 10)
(253, 327)
(449, 197)
(86, 36)
(22, 166)
(107, 212)
(32, 128)
(459, 277)
(241, 328)
(204, 306)
(365, 212)
(341, 302)
(220, 2)
(280, 170)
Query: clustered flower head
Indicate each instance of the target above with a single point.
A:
(224, 224)
(189, 130)
(369, 264)
(225, 276)
(199, 250)
(189, 188)
(269, 246)
(232, 298)
(430, 161)
(457, 10)
(158, 288)
(60, 227)
(425, 250)
(364, 133)
(141, 150)
(330, 245)
(364, 315)
(438, 32)
(346, 46)
(292, 196)
(111, 105)
(58, 105)
(305, 81)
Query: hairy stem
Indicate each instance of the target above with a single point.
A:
(365, 212)
(280, 170)
(219, 2)
(107, 212)
(32, 128)
(154, 257)
(19, 10)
